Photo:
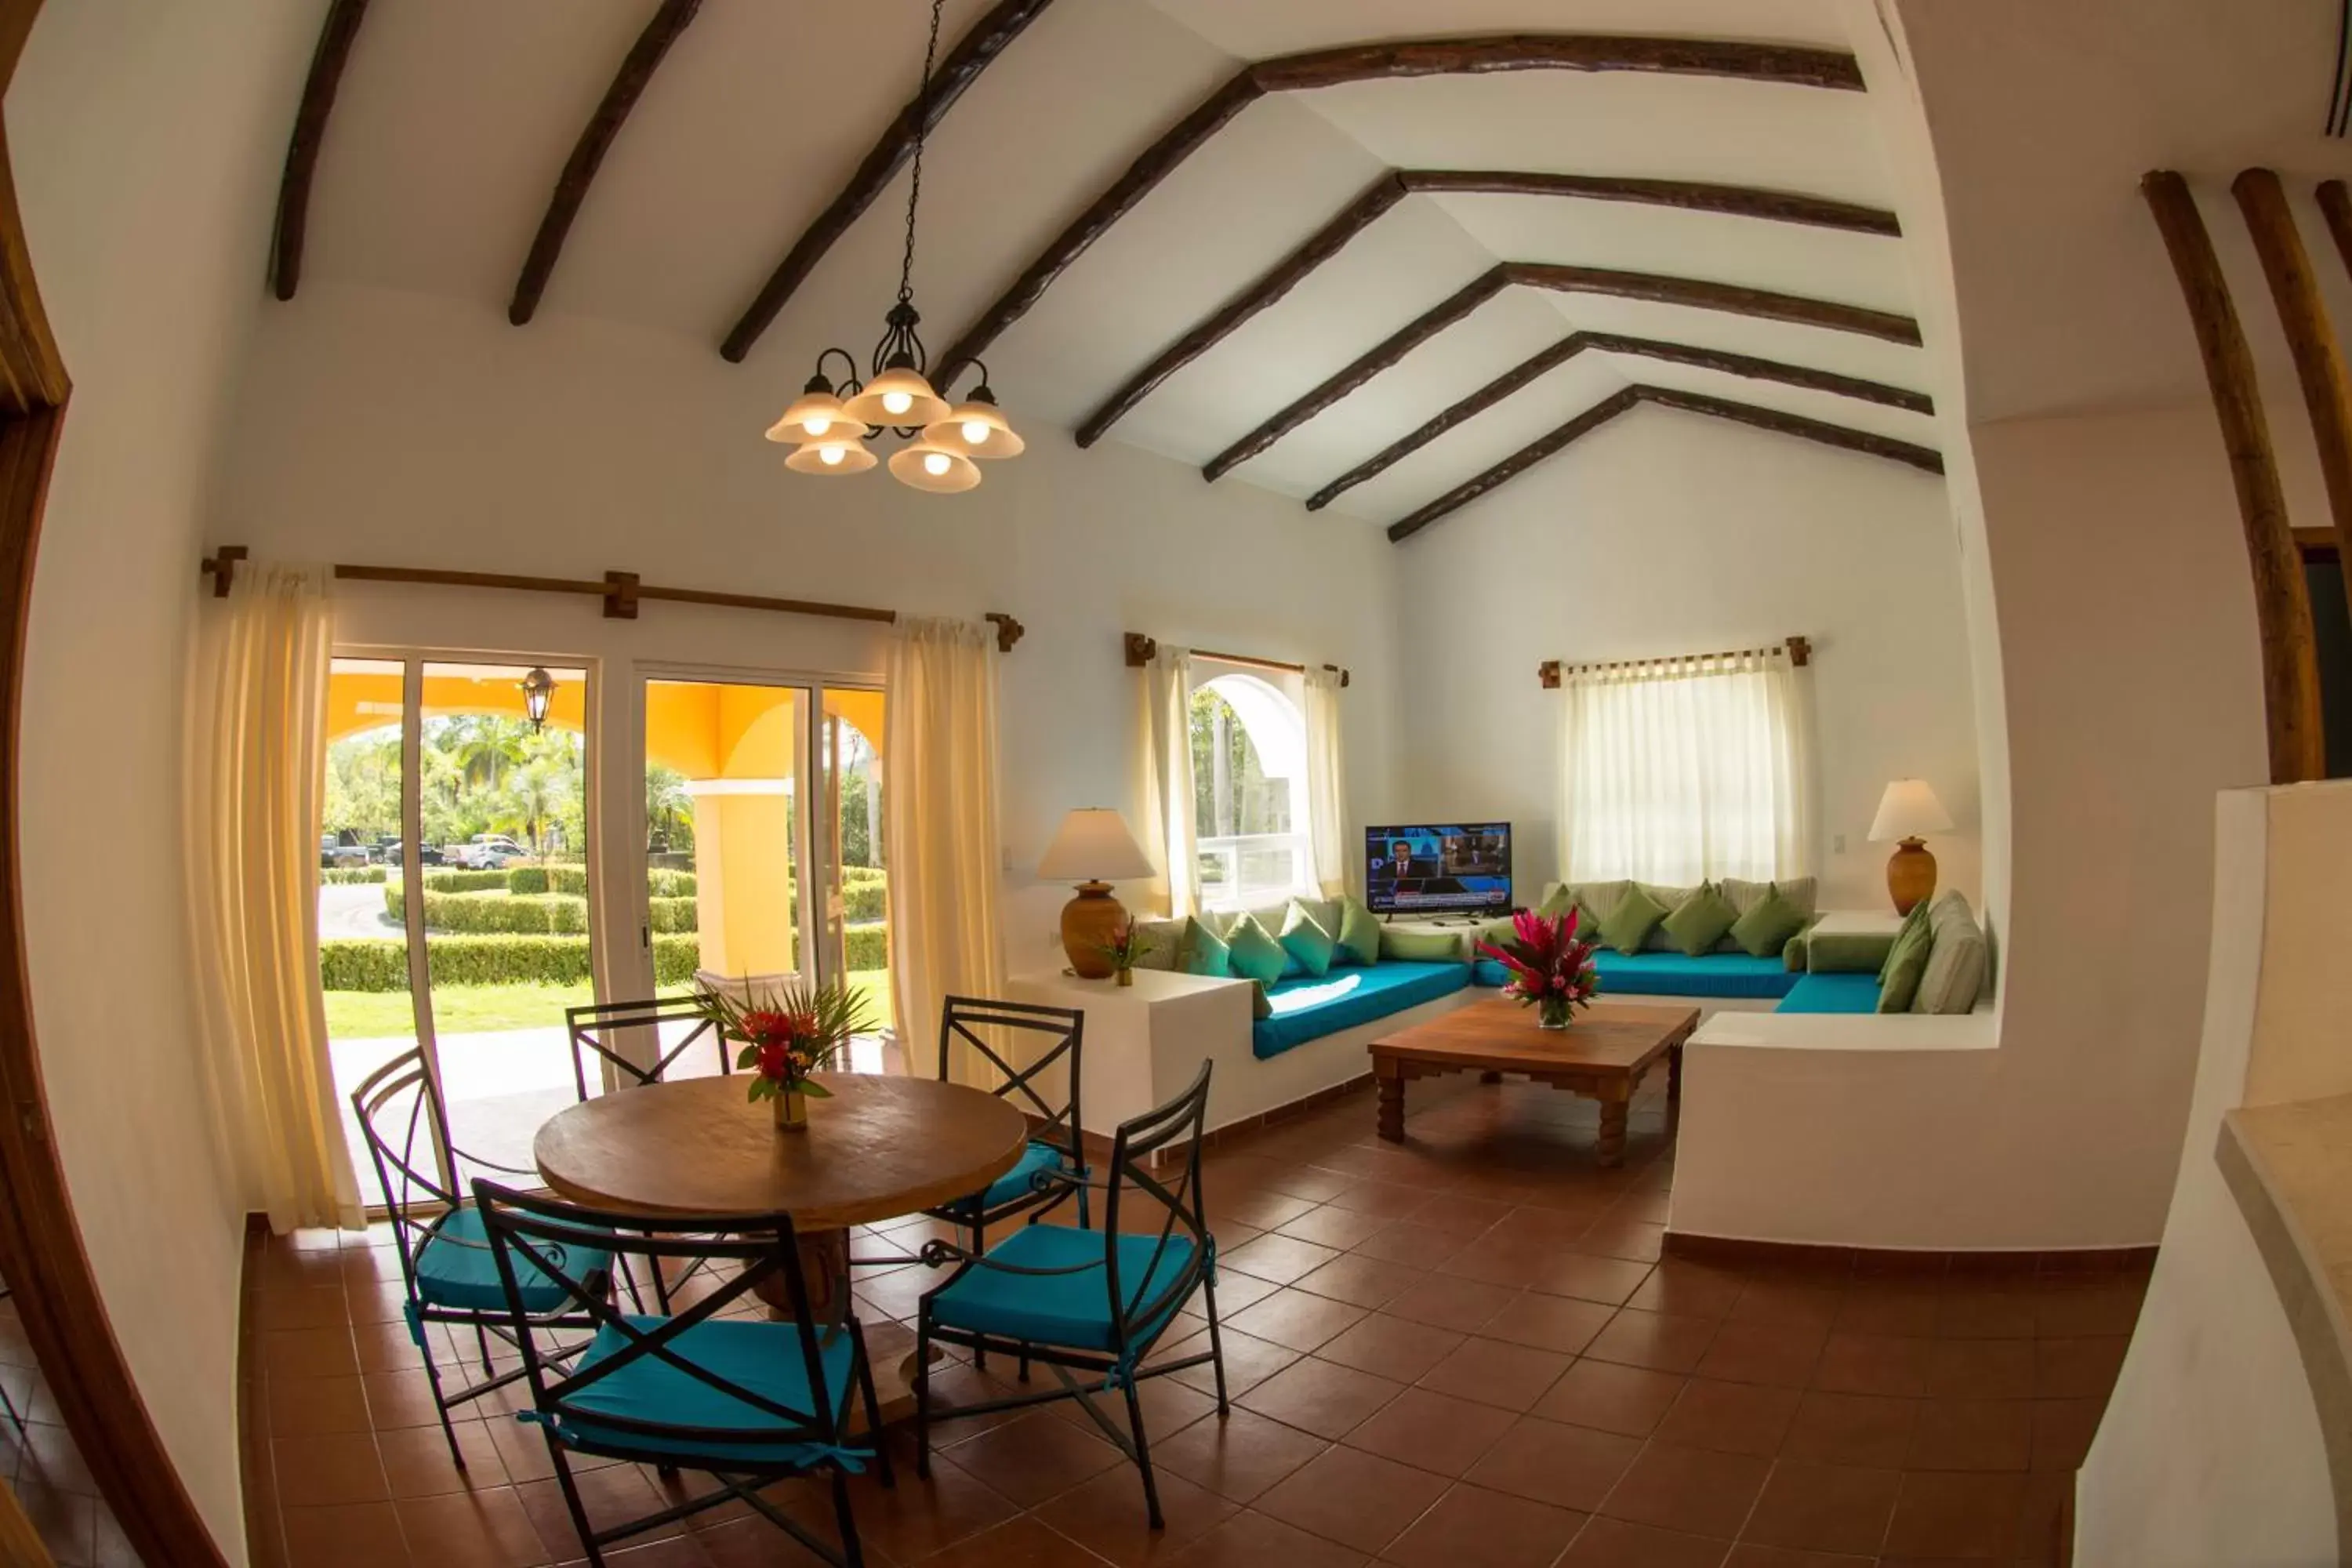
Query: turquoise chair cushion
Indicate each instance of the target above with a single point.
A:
(763, 1357)
(1014, 1183)
(1835, 992)
(456, 1268)
(1672, 974)
(1310, 1007)
(1072, 1310)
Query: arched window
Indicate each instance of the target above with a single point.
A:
(1249, 792)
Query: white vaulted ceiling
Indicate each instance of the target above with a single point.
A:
(455, 118)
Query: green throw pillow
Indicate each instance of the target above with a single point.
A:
(1205, 952)
(1254, 954)
(1905, 965)
(1767, 925)
(1359, 934)
(1410, 946)
(1698, 922)
(1916, 919)
(1163, 944)
(1627, 927)
(1309, 945)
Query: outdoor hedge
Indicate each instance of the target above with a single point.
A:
(380, 963)
(670, 884)
(863, 902)
(350, 875)
(673, 914)
(480, 914)
(454, 881)
(866, 947)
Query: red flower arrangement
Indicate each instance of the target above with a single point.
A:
(1551, 969)
(799, 1032)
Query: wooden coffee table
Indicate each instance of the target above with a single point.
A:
(1603, 1056)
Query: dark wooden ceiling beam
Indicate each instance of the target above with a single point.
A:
(327, 63)
(1653, 288)
(1390, 61)
(1389, 350)
(1689, 196)
(1568, 348)
(1608, 408)
(972, 54)
(638, 68)
(1517, 463)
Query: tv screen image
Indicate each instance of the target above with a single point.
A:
(1438, 868)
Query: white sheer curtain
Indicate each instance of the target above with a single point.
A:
(940, 733)
(1169, 832)
(1679, 770)
(257, 751)
(1326, 815)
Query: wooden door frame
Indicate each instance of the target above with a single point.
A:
(41, 1251)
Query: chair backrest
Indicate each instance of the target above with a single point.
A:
(407, 1131)
(1139, 1306)
(1063, 1029)
(595, 1030)
(532, 1233)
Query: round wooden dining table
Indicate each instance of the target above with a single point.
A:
(874, 1148)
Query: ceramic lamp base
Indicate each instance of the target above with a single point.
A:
(1910, 876)
(1089, 921)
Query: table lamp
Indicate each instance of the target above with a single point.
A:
(1908, 811)
(1094, 849)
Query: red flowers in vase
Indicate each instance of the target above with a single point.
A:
(799, 1031)
(1551, 969)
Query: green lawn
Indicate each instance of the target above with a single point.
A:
(481, 1009)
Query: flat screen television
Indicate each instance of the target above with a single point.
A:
(1438, 868)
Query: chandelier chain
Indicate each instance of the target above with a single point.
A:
(922, 133)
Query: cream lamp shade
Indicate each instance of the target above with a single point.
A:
(1093, 844)
(924, 466)
(900, 396)
(1909, 809)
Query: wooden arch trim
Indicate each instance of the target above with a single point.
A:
(327, 62)
(638, 68)
(972, 54)
(1537, 364)
(1689, 196)
(1729, 299)
(1608, 408)
(1474, 56)
(41, 1251)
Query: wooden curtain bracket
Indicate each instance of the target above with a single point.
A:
(1344, 677)
(221, 567)
(620, 595)
(1800, 651)
(1548, 673)
(1008, 630)
(1140, 650)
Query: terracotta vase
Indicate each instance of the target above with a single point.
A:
(791, 1109)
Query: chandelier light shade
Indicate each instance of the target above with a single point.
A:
(831, 421)
(900, 396)
(925, 466)
(836, 455)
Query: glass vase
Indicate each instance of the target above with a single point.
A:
(1552, 1012)
(791, 1109)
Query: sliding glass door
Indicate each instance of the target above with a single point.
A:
(456, 869)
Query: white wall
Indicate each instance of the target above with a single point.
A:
(146, 142)
(393, 428)
(1665, 532)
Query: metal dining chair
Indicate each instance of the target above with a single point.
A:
(747, 1400)
(1056, 1139)
(445, 1265)
(1090, 1302)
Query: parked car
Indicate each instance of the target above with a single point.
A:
(488, 852)
(427, 854)
(333, 852)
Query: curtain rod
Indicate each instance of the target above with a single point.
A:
(1798, 649)
(1141, 649)
(621, 590)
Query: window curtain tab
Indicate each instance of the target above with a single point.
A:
(939, 810)
(1327, 818)
(256, 753)
(1171, 833)
(1682, 770)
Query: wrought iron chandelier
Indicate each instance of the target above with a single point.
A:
(831, 424)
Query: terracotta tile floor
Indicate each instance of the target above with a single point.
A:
(1459, 1351)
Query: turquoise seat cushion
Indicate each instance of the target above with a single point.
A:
(1015, 1183)
(1673, 975)
(762, 1357)
(1310, 1007)
(456, 1268)
(1069, 1310)
(1836, 993)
